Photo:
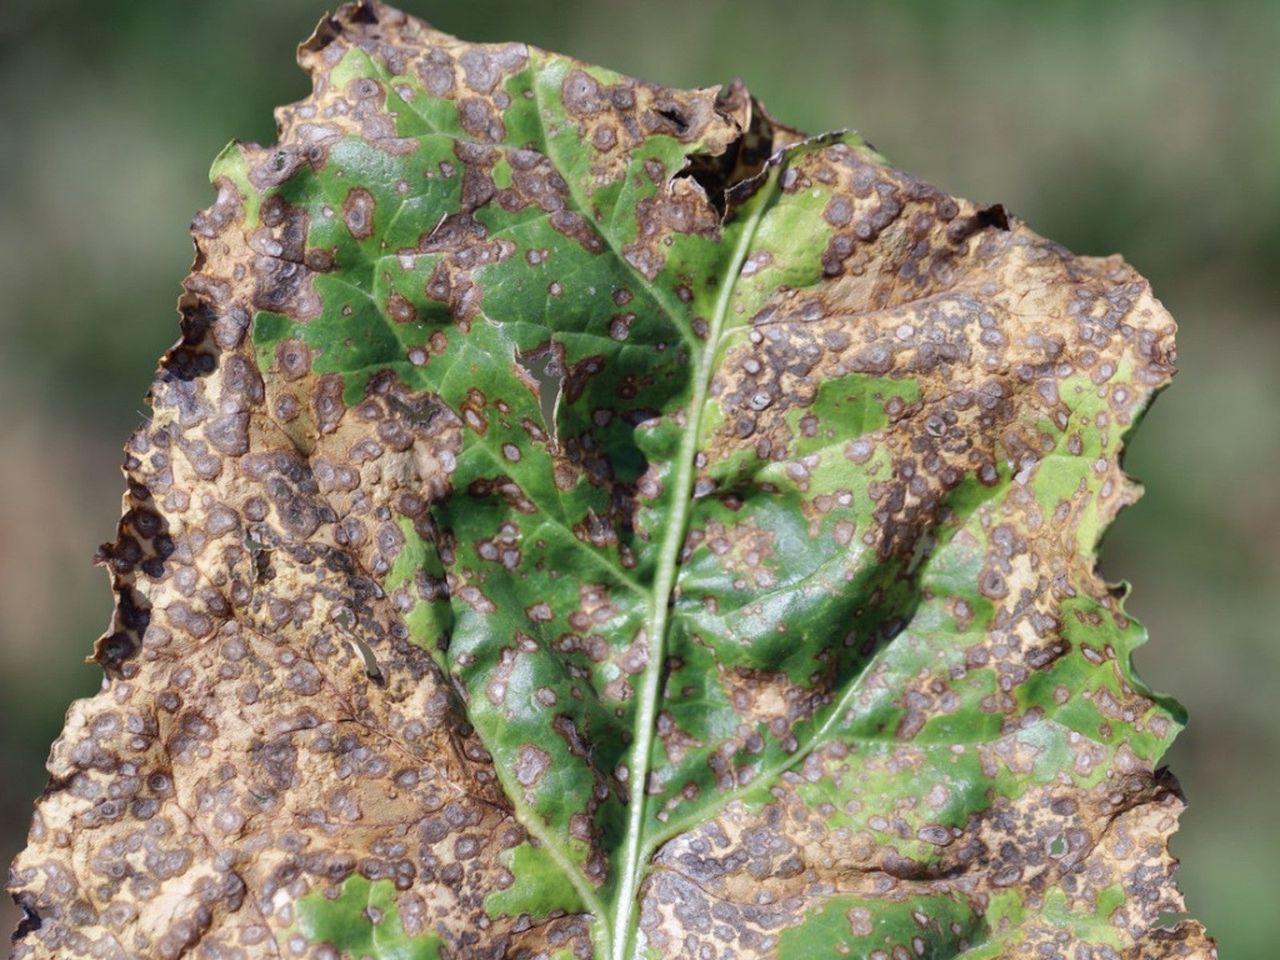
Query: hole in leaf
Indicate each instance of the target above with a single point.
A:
(31, 920)
(545, 373)
(674, 116)
(729, 178)
(364, 13)
(993, 216)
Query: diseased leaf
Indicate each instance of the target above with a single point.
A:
(586, 519)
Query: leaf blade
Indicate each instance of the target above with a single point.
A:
(566, 475)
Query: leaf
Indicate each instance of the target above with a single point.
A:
(582, 518)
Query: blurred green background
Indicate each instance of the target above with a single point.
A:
(1151, 129)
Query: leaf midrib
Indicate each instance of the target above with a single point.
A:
(636, 850)
(620, 932)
